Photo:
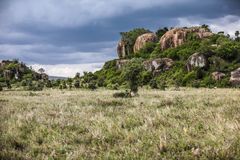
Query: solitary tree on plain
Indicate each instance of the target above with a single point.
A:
(131, 73)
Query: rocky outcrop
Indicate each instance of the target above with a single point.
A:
(178, 36)
(16, 70)
(217, 76)
(196, 60)
(155, 65)
(235, 77)
(158, 65)
(121, 49)
(121, 62)
(142, 40)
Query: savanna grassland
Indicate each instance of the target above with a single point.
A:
(83, 124)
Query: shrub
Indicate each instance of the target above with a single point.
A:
(49, 84)
(70, 86)
(146, 77)
(153, 84)
(146, 51)
(188, 78)
(56, 83)
(132, 74)
(92, 85)
(113, 86)
(1, 88)
(60, 87)
(195, 84)
(228, 50)
(34, 86)
(76, 84)
(8, 84)
(23, 83)
(125, 94)
(207, 82)
(162, 85)
(64, 86)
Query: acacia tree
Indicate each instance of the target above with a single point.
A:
(41, 70)
(77, 75)
(132, 74)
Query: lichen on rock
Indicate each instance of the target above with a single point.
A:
(196, 60)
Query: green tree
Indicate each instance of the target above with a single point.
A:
(237, 33)
(161, 31)
(237, 36)
(132, 74)
(129, 38)
(77, 75)
(8, 84)
(41, 70)
(206, 27)
(76, 84)
(64, 86)
(92, 85)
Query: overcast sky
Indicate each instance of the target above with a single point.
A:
(69, 36)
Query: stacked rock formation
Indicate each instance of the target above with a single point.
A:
(178, 36)
(143, 39)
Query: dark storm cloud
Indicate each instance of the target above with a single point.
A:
(52, 32)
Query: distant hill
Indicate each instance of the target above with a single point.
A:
(56, 78)
(14, 71)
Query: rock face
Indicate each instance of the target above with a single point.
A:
(121, 49)
(218, 76)
(178, 36)
(121, 62)
(143, 39)
(196, 60)
(235, 77)
(158, 65)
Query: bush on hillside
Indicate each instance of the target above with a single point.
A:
(146, 51)
(76, 83)
(34, 86)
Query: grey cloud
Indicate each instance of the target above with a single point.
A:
(86, 31)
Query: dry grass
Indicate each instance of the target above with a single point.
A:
(186, 124)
